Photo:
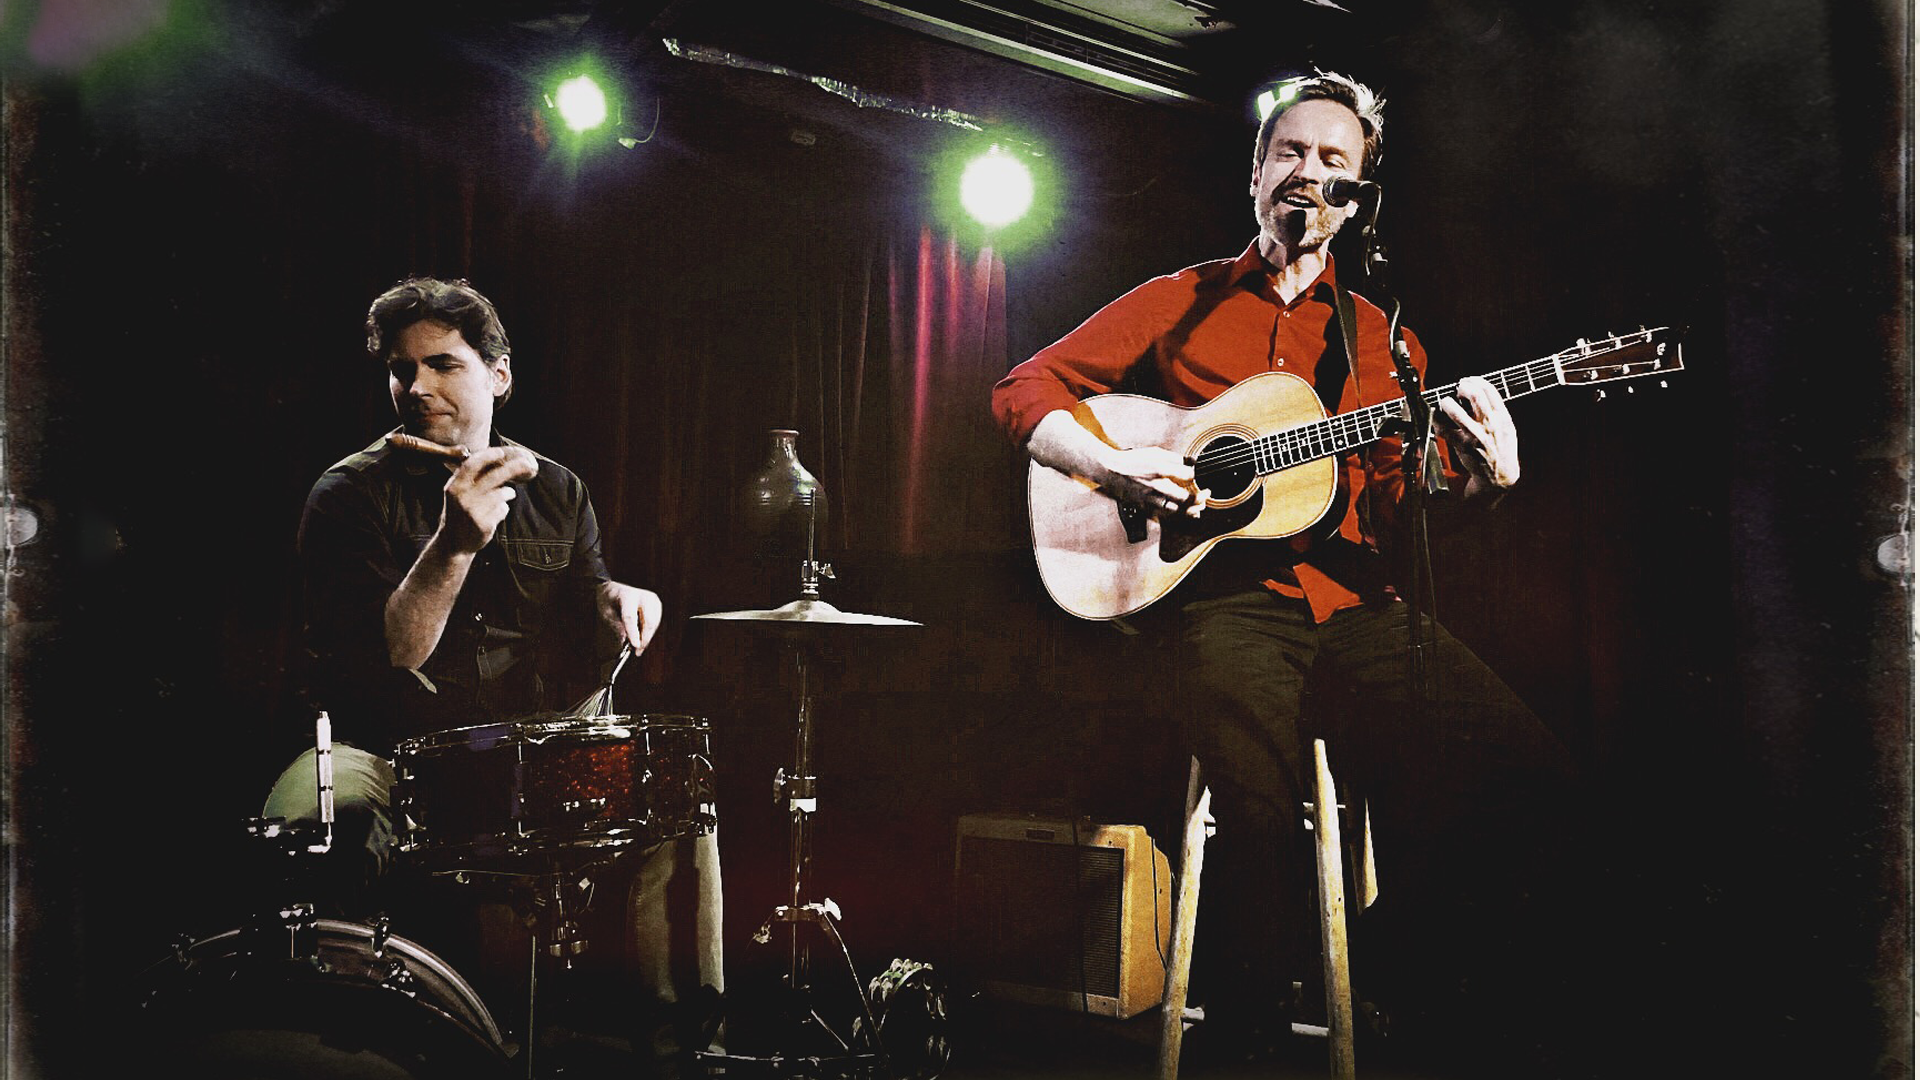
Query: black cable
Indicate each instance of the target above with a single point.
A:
(1416, 460)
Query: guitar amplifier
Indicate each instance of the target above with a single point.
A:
(1063, 913)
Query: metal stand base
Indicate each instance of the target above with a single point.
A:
(899, 1034)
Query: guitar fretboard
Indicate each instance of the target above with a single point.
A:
(1349, 431)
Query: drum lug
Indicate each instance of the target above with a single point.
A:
(399, 977)
(295, 936)
(382, 930)
(568, 942)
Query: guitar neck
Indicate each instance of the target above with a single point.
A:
(1350, 431)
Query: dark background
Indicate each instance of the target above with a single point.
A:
(201, 201)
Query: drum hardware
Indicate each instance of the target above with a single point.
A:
(550, 906)
(560, 905)
(284, 865)
(547, 803)
(396, 975)
(912, 1025)
(552, 794)
(343, 998)
(297, 925)
(323, 766)
(784, 494)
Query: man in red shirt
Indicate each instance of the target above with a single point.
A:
(1259, 623)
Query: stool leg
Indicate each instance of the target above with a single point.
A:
(710, 913)
(1186, 910)
(1367, 879)
(1333, 916)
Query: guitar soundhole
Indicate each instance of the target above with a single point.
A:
(1225, 467)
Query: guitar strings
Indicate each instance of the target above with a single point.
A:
(1322, 438)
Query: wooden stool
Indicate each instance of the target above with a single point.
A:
(1323, 820)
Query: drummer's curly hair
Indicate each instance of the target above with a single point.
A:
(456, 303)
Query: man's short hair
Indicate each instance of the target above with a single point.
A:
(1330, 86)
(454, 303)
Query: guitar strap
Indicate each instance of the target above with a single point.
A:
(1349, 342)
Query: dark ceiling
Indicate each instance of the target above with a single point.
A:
(995, 61)
(1185, 52)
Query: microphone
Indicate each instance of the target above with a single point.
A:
(1340, 191)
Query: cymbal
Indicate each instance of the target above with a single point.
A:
(808, 613)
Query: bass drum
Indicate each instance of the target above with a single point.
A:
(307, 999)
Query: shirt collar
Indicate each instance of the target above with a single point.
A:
(1251, 262)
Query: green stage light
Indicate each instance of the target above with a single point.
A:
(996, 188)
(581, 102)
(1273, 98)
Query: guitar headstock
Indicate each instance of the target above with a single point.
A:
(1620, 356)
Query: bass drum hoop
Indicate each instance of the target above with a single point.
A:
(226, 985)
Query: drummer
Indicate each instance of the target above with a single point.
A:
(453, 582)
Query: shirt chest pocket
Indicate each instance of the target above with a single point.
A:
(540, 555)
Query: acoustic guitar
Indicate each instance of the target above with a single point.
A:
(1266, 452)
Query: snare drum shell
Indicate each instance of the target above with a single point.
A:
(497, 797)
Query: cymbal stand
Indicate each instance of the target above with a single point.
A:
(783, 491)
(861, 1054)
(800, 790)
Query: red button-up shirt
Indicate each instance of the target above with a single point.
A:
(1189, 336)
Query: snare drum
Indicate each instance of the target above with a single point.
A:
(516, 797)
(314, 999)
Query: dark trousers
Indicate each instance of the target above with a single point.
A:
(1467, 790)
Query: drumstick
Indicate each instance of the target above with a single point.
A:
(416, 443)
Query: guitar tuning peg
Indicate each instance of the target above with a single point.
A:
(1663, 384)
(1631, 389)
(1599, 395)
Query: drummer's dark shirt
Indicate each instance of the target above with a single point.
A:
(522, 630)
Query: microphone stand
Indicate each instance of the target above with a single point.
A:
(1420, 456)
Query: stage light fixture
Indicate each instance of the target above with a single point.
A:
(581, 102)
(996, 188)
(1272, 98)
